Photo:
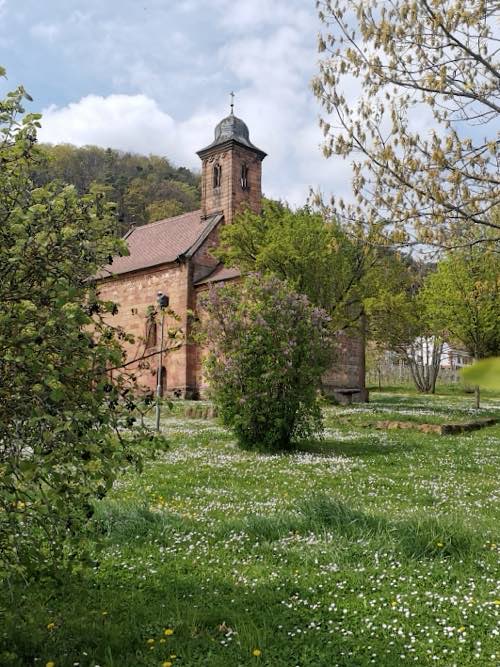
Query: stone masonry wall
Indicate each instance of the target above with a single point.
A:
(348, 370)
(134, 293)
(230, 197)
(204, 261)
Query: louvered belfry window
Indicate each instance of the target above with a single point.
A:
(217, 175)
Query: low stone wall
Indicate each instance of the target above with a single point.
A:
(441, 429)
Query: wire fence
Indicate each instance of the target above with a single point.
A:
(395, 375)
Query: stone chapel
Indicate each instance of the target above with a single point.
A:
(173, 256)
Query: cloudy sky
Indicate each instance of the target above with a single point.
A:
(154, 76)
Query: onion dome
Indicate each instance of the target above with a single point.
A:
(234, 129)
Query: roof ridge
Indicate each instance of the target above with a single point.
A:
(175, 217)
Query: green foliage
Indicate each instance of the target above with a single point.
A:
(268, 348)
(399, 321)
(144, 189)
(463, 298)
(315, 257)
(357, 546)
(484, 373)
(65, 426)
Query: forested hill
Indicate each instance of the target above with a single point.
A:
(145, 189)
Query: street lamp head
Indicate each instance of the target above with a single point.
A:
(162, 300)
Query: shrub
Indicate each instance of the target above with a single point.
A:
(65, 424)
(268, 348)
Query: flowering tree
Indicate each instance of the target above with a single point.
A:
(268, 348)
(410, 92)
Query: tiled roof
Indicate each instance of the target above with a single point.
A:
(220, 274)
(162, 242)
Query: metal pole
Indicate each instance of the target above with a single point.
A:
(159, 374)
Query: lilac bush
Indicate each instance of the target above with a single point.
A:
(267, 349)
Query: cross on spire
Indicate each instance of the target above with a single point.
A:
(232, 103)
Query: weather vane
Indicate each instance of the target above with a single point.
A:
(232, 103)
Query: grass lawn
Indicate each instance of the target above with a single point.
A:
(368, 548)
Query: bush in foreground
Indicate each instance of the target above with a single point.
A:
(65, 424)
(268, 348)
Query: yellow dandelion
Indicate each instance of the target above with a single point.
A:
(150, 641)
(168, 632)
(51, 626)
(440, 544)
(256, 652)
(167, 663)
(461, 629)
(50, 663)
(496, 603)
(394, 603)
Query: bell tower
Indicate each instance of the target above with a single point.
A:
(231, 170)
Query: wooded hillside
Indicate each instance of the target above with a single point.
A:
(145, 188)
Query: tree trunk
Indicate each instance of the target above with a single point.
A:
(477, 391)
(426, 372)
(437, 352)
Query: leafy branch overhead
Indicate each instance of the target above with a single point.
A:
(411, 96)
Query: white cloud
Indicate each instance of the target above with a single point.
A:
(247, 16)
(137, 123)
(47, 32)
(128, 122)
(171, 85)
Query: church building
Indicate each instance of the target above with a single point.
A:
(173, 256)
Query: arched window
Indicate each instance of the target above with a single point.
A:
(217, 175)
(244, 177)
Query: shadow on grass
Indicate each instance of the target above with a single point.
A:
(107, 617)
(120, 524)
(202, 616)
(419, 537)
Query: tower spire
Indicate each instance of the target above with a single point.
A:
(232, 103)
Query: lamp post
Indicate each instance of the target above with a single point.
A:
(162, 300)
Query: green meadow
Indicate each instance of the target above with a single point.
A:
(367, 547)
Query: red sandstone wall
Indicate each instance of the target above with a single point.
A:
(348, 370)
(134, 293)
(230, 196)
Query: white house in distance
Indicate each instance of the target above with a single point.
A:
(454, 358)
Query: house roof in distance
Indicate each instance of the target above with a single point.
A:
(162, 242)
